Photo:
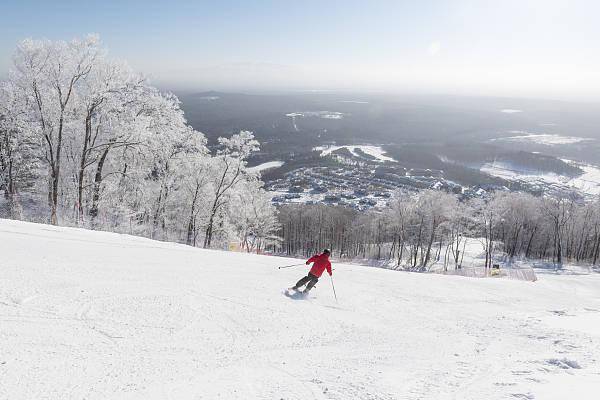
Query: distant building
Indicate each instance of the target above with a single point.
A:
(319, 189)
(332, 198)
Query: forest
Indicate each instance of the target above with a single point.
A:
(85, 141)
(431, 226)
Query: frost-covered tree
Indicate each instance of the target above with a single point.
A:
(194, 197)
(459, 227)
(19, 158)
(518, 219)
(559, 212)
(432, 209)
(254, 217)
(399, 215)
(414, 228)
(486, 215)
(48, 74)
(112, 152)
(228, 170)
(110, 101)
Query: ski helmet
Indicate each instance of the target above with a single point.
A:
(327, 251)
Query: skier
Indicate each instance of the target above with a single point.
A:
(321, 263)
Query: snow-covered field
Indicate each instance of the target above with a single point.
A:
(93, 315)
(265, 166)
(374, 151)
(588, 183)
(314, 114)
(510, 111)
(209, 98)
(542, 138)
(320, 114)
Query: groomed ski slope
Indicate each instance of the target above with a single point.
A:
(93, 315)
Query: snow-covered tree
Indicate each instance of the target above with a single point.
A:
(254, 217)
(399, 215)
(112, 152)
(228, 170)
(19, 158)
(48, 74)
(517, 219)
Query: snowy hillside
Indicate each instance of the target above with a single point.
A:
(587, 183)
(93, 315)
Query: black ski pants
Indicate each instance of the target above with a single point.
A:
(309, 280)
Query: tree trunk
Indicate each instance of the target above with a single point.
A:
(94, 210)
(191, 237)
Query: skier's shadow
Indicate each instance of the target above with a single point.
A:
(295, 295)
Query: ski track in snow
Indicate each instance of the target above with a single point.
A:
(104, 316)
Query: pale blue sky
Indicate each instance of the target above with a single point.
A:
(546, 48)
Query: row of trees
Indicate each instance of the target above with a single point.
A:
(432, 226)
(86, 141)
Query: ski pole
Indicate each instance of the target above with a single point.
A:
(290, 266)
(333, 287)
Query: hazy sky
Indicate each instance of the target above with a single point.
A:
(534, 48)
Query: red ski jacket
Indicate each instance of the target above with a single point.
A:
(321, 262)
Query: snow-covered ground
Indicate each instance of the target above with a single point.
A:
(209, 98)
(265, 166)
(320, 114)
(510, 111)
(374, 151)
(542, 138)
(472, 263)
(588, 183)
(313, 114)
(93, 315)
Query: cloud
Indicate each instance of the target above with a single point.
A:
(434, 48)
